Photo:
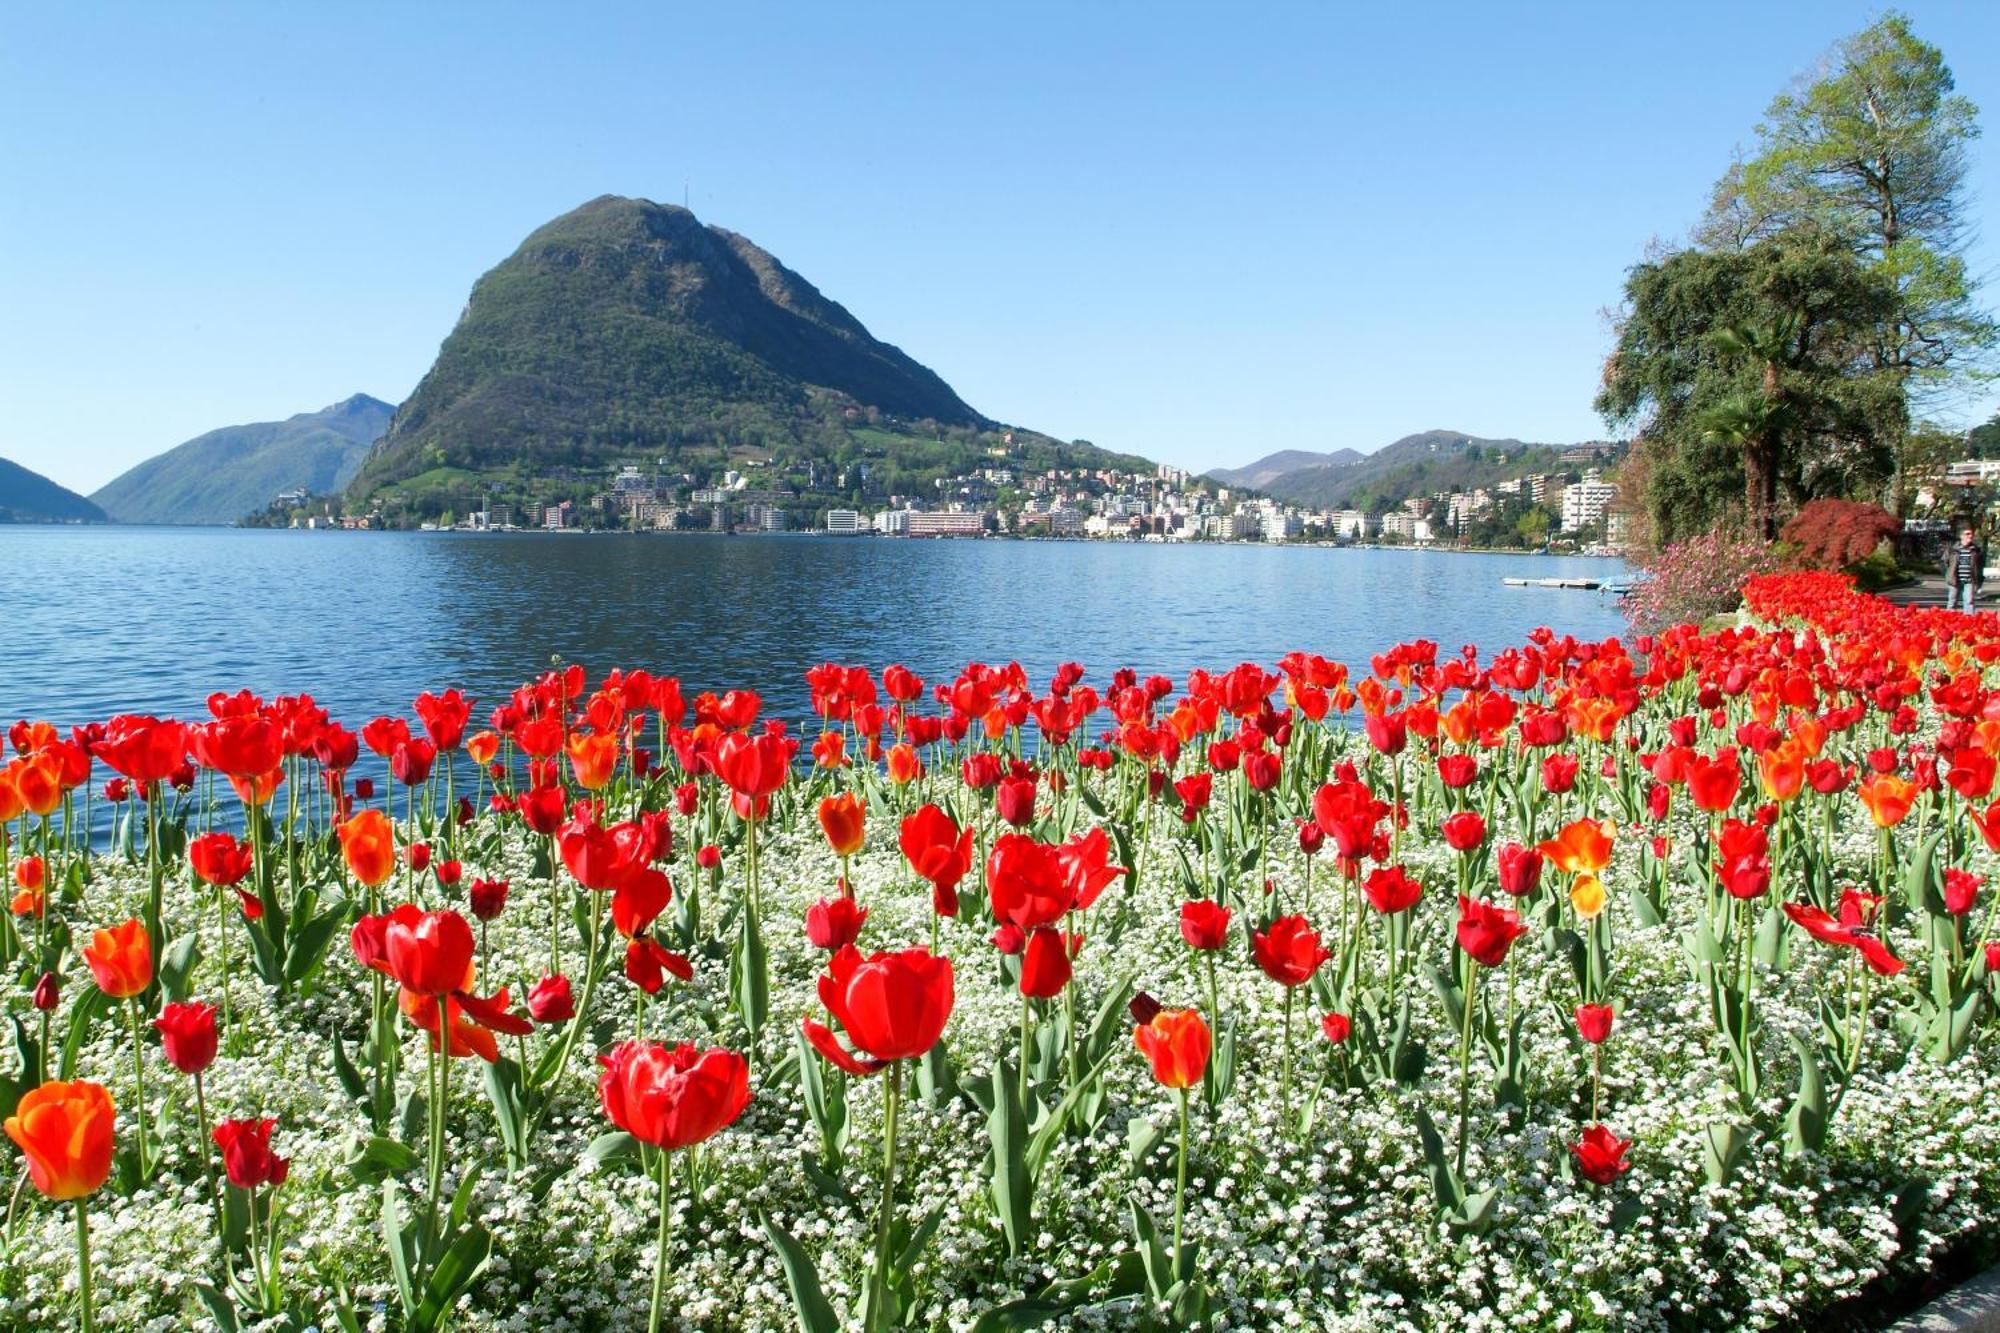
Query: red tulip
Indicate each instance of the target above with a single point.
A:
(1027, 882)
(431, 955)
(672, 1098)
(486, 897)
(1289, 951)
(550, 1001)
(1391, 890)
(1601, 1155)
(444, 717)
(1204, 923)
(1486, 932)
(1045, 965)
(246, 1153)
(145, 749)
(1464, 831)
(220, 860)
(1520, 869)
(1014, 800)
(1335, 1027)
(648, 964)
(187, 1035)
(1593, 1022)
(892, 1006)
(834, 923)
(241, 746)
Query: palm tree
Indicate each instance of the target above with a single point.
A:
(1757, 421)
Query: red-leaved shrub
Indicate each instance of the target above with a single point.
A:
(1832, 534)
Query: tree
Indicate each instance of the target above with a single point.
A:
(1751, 372)
(1873, 151)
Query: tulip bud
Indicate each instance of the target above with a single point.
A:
(47, 988)
(709, 857)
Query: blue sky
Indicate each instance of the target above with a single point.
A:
(1197, 233)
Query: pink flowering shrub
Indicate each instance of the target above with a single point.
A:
(1692, 580)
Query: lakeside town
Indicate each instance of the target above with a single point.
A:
(1574, 507)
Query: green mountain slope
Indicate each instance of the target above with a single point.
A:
(1433, 460)
(30, 497)
(228, 473)
(629, 331)
(1270, 467)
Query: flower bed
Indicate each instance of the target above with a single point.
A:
(1130, 962)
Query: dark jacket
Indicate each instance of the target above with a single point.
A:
(1950, 565)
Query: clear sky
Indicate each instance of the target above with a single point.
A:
(1196, 233)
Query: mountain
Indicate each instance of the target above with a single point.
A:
(1270, 467)
(1432, 460)
(228, 473)
(628, 331)
(30, 497)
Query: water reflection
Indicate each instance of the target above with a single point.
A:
(112, 619)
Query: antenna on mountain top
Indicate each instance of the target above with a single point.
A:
(684, 194)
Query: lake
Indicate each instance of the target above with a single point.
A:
(109, 619)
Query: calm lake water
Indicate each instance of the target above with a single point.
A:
(104, 620)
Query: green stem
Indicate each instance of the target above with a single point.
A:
(1180, 1188)
(1470, 998)
(139, 1081)
(878, 1308)
(660, 1253)
(89, 1321)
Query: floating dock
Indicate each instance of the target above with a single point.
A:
(1618, 587)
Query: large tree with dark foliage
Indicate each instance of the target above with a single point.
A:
(1750, 377)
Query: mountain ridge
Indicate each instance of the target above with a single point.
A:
(26, 496)
(1426, 461)
(227, 473)
(628, 329)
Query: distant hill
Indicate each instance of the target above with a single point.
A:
(1432, 460)
(1270, 467)
(629, 331)
(226, 474)
(30, 497)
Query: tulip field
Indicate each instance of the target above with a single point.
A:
(1553, 985)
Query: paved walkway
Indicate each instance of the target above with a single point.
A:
(1927, 591)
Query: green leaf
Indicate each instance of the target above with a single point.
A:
(376, 1159)
(616, 1146)
(397, 1233)
(452, 1278)
(309, 943)
(1805, 1122)
(1006, 1131)
(350, 1078)
(815, 1314)
(89, 1007)
(1054, 1123)
(177, 963)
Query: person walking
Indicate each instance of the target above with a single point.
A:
(1964, 570)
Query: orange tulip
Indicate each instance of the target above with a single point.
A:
(904, 766)
(65, 1131)
(1888, 798)
(1781, 772)
(257, 790)
(482, 746)
(1581, 848)
(1176, 1043)
(368, 841)
(10, 796)
(38, 780)
(592, 757)
(121, 959)
(841, 818)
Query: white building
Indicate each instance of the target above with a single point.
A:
(845, 521)
(1583, 504)
(893, 522)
